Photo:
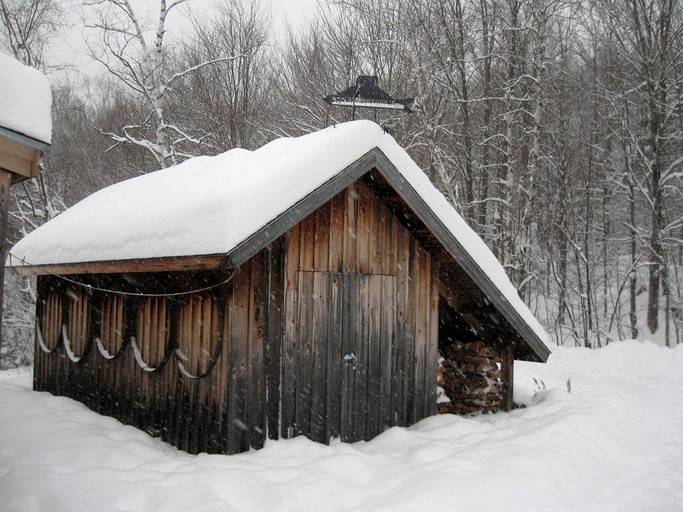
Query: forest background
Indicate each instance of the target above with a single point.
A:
(555, 127)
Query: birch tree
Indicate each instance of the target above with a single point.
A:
(139, 59)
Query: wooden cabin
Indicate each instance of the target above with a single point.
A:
(310, 287)
(25, 132)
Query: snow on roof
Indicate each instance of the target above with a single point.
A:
(209, 205)
(25, 100)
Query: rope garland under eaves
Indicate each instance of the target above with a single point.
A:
(125, 293)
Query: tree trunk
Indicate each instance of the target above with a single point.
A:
(5, 183)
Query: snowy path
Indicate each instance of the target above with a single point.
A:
(613, 444)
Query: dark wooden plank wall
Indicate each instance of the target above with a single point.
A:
(219, 336)
(355, 233)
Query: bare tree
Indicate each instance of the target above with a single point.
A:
(139, 59)
(230, 103)
(27, 26)
(646, 35)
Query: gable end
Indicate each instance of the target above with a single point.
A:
(376, 159)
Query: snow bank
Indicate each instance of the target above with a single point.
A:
(25, 100)
(609, 445)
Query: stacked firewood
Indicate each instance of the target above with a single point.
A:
(470, 375)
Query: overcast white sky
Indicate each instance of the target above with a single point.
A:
(71, 50)
(294, 11)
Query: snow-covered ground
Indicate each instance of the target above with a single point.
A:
(612, 444)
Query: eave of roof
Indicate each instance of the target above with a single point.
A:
(23, 139)
(129, 266)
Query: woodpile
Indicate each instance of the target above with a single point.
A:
(471, 377)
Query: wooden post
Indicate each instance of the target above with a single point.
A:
(5, 182)
(508, 376)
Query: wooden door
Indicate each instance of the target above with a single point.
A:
(345, 334)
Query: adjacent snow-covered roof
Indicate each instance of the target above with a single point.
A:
(25, 100)
(214, 205)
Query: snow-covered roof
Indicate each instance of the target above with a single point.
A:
(212, 205)
(25, 100)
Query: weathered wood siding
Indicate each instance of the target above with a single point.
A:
(188, 368)
(361, 322)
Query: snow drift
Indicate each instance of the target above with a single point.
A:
(609, 445)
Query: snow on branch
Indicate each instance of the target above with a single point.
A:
(199, 66)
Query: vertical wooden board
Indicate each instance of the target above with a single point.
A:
(179, 411)
(114, 383)
(350, 231)
(337, 216)
(159, 337)
(509, 363)
(141, 314)
(319, 348)
(166, 380)
(205, 401)
(375, 236)
(374, 355)
(93, 360)
(86, 322)
(433, 338)
(59, 357)
(195, 334)
(257, 390)
(72, 321)
(383, 244)
(334, 356)
(209, 337)
(164, 331)
(365, 236)
(184, 349)
(100, 377)
(321, 251)
(411, 332)
(307, 240)
(349, 301)
(422, 285)
(122, 365)
(186, 414)
(191, 387)
(39, 323)
(200, 421)
(400, 345)
(226, 366)
(388, 320)
(361, 342)
(214, 380)
(304, 334)
(274, 334)
(168, 319)
(289, 346)
(239, 328)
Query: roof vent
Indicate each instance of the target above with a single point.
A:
(367, 93)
